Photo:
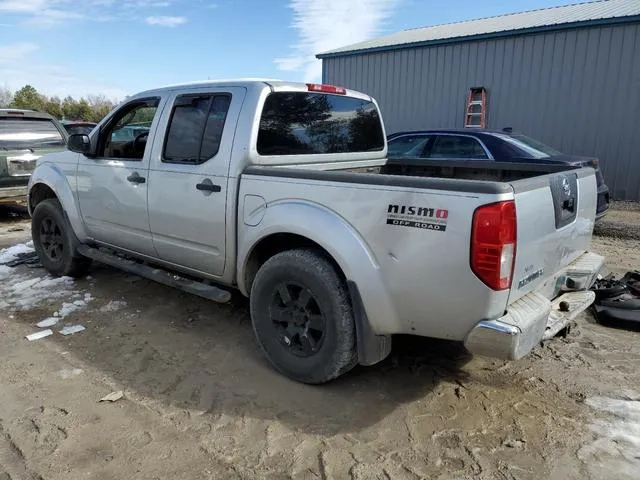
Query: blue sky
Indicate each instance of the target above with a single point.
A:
(119, 47)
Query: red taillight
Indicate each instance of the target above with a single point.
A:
(493, 244)
(317, 87)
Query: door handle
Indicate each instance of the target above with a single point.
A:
(208, 186)
(136, 178)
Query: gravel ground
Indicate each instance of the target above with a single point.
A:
(200, 401)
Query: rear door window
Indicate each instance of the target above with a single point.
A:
(195, 128)
(454, 146)
(409, 145)
(300, 123)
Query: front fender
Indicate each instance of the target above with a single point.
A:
(333, 233)
(53, 176)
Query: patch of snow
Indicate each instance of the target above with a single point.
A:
(113, 306)
(21, 290)
(47, 322)
(615, 451)
(69, 307)
(11, 253)
(69, 373)
(70, 330)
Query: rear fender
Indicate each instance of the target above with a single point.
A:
(333, 233)
(53, 177)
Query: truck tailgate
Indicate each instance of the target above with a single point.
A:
(555, 219)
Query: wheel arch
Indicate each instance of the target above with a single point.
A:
(48, 181)
(296, 224)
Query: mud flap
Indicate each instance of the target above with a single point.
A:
(566, 308)
(372, 348)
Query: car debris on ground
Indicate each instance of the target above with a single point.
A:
(38, 335)
(112, 397)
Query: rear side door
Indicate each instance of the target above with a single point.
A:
(189, 175)
(112, 186)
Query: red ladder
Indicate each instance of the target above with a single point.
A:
(476, 113)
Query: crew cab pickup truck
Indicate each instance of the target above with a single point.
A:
(284, 191)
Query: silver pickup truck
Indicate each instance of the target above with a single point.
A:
(284, 192)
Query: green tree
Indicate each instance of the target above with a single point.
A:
(53, 106)
(100, 107)
(29, 98)
(68, 107)
(76, 110)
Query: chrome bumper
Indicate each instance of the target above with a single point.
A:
(534, 317)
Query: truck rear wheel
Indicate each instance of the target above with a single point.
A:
(55, 242)
(303, 318)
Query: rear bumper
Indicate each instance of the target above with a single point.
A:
(534, 317)
(8, 194)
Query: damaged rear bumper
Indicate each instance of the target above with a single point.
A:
(534, 317)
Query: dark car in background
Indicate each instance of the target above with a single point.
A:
(73, 127)
(25, 136)
(490, 145)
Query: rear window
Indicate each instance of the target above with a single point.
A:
(27, 131)
(299, 123)
(529, 146)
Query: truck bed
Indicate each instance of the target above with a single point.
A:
(393, 208)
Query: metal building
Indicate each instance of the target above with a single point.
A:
(568, 76)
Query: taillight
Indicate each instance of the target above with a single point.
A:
(317, 87)
(493, 244)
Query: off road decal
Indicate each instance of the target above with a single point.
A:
(417, 217)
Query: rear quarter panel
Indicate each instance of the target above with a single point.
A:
(410, 278)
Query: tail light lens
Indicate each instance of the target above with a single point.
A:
(493, 244)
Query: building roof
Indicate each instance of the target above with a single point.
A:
(568, 16)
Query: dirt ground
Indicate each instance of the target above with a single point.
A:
(201, 402)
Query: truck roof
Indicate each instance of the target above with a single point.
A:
(276, 85)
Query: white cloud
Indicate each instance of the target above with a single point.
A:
(16, 51)
(166, 21)
(49, 12)
(327, 24)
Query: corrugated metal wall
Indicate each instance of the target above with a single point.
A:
(577, 90)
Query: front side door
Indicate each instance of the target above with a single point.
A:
(189, 175)
(112, 186)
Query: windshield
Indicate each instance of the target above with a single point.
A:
(30, 133)
(529, 145)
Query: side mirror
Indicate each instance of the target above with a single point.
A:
(79, 143)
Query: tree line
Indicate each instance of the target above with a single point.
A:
(92, 108)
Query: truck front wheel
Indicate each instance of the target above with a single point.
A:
(55, 242)
(303, 318)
